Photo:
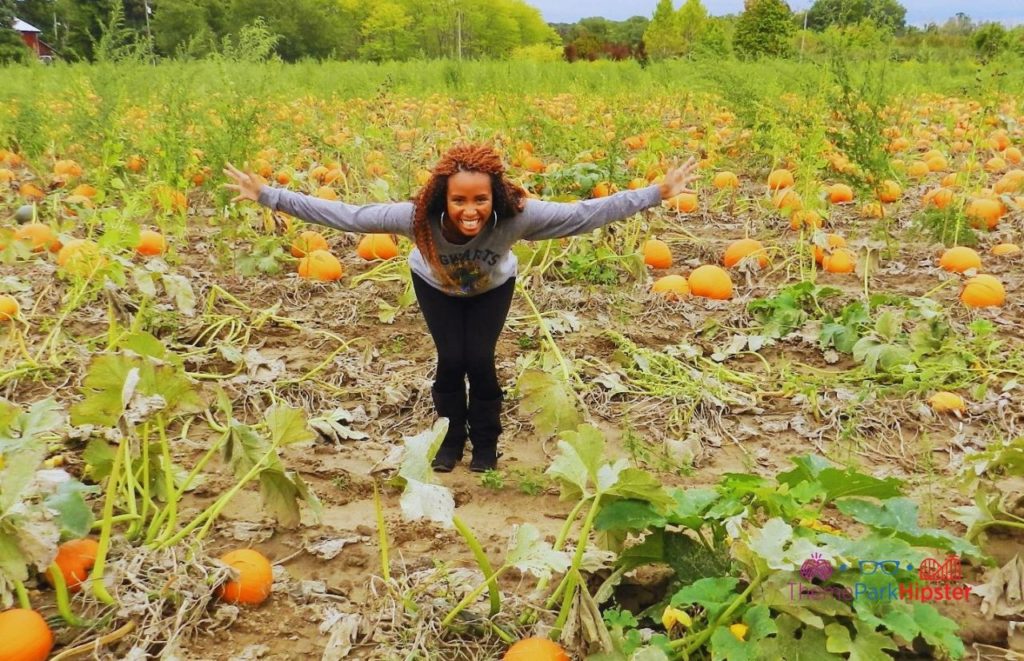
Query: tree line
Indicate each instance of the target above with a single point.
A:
(504, 29)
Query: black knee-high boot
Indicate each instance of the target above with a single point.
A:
(451, 405)
(484, 429)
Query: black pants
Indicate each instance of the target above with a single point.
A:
(465, 331)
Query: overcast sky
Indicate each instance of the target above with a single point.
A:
(919, 12)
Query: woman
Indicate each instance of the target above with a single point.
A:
(464, 222)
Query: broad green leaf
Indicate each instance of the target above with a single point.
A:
(19, 427)
(690, 505)
(939, 630)
(867, 646)
(282, 491)
(146, 344)
(99, 459)
(529, 552)
(759, 619)
(775, 543)
(895, 616)
(628, 515)
(102, 388)
(889, 325)
(692, 561)
(13, 565)
(899, 517)
(74, 516)
(641, 485)
(838, 483)
(288, 425)
(549, 402)
(714, 594)
(727, 647)
(245, 448)
(796, 642)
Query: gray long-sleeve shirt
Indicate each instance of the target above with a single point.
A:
(486, 261)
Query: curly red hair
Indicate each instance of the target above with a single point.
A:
(432, 199)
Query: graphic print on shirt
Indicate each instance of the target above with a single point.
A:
(466, 268)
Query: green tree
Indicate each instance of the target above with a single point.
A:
(842, 13)
(386, 34)
(663, 36)
(990, 40)
(763, 29)
(183, 27)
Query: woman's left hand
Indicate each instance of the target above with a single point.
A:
(678, 179)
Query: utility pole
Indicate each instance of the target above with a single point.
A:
(458, 33)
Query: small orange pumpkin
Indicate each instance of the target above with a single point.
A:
(683, 203)
(657, 254)
(725, 179)
(150, 243)
(307, 242)
(75, 559)
(780, 178)
(839, 260)
(255, 577)
(536, 649)
(743, 248)
(377, 246)
(9, 307)
(673, 287)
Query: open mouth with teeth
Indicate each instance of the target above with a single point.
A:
(470, 225)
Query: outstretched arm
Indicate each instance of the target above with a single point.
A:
(394, 218)
(549, 220)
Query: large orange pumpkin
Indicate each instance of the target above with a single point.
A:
(320, 265)
(25, 636)
(657, 254)
(983, 291)
(673, 287)
(742, 248)
(960, 259)
(711, 281)
(307, 242)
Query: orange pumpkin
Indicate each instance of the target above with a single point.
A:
(832, 241)
(726, 179)
(320, 265)
(255, 577)
(536, 649)
(960, 259)
(9, 307)
(984, 212)
(657, 254)
(840, 194)
(150, 243)
(889, 191)
(939, 198)
(673, 287)
(710, 281)
(983, 291)
(1004, 249)
(787, 198)
(839, 260)
(780, 178)
(26, 636)
(377, 246)
(75, 559)
(743, 248)
(684, 202)
(80, 257)
(947, 402)
(39, 235)
(307, 242)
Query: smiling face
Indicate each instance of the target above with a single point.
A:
(470, 201)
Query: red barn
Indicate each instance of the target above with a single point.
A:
(30, 35)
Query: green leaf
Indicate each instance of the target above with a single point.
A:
(280, 496)
(714, 594)
(759, 619)
(727, 647)
(770, 543)
(641, 485)
(690, 506)
(99, 459)
(245, 448)
(19, 428)
(898, 516)
(578, 462)
(939, 630)
(288, 425)
(102, 389)
(796, 642)
(868, 645)
(628, 515)
(889, 325)
(549, 401)
(145, 344)
(19, 469)
(838, 483)
(74, 516)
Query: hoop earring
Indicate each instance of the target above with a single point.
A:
(495, 218)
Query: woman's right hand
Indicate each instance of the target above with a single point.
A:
(247, 184)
